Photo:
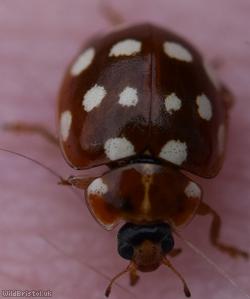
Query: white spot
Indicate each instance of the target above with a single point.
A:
(149, 169)
(126, 47)
(172, 103)
(65, 124)
(177, 51)
(174, 151)
(204, 107)
(221, 139)
(211, 74)
(93, 97)
(193, 190)
(128, 97)
(117, 148)
(83, 62)
(97, 187)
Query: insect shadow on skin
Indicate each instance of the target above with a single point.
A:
(139, 172)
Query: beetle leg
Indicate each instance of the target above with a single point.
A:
(113, 17)
(64, 182)
(78, 182)
(175, 252)
(27, 128)
(133, 276)
(227, 97)
(215, 229)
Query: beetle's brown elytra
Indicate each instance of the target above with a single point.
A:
(166, 104)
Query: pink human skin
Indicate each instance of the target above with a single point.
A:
(47, 233)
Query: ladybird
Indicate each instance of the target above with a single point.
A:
(142, 101)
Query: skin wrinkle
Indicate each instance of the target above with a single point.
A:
(37, 43)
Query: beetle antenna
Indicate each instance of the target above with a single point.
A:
(213, 264)
(54, 173)
(62, 181)
(185, 287)
(84, 263)
(128, 268)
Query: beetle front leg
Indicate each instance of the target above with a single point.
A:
(133, 276)
(215, 229)
(29, 128)
(175, 252)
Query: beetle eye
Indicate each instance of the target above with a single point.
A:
(167, 243)
(126, 251)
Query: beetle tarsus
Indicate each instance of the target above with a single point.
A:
(175, 252)
(233, 251)
(64, 182)
(134, 277)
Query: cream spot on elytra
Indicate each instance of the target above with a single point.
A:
(128, 97)
(177, 51)
(97, 187)
(65, 124)
(126, 47)
(82, 62)
(204, 107)
(93, 97)
(117, 148)
(174, 151)
(192, 190)
(172, 103)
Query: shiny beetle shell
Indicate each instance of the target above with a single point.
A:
(142, 91)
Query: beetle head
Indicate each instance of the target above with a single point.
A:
(145, 245)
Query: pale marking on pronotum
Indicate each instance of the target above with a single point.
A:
(192, 190)
(97, 187)
(146, 204)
